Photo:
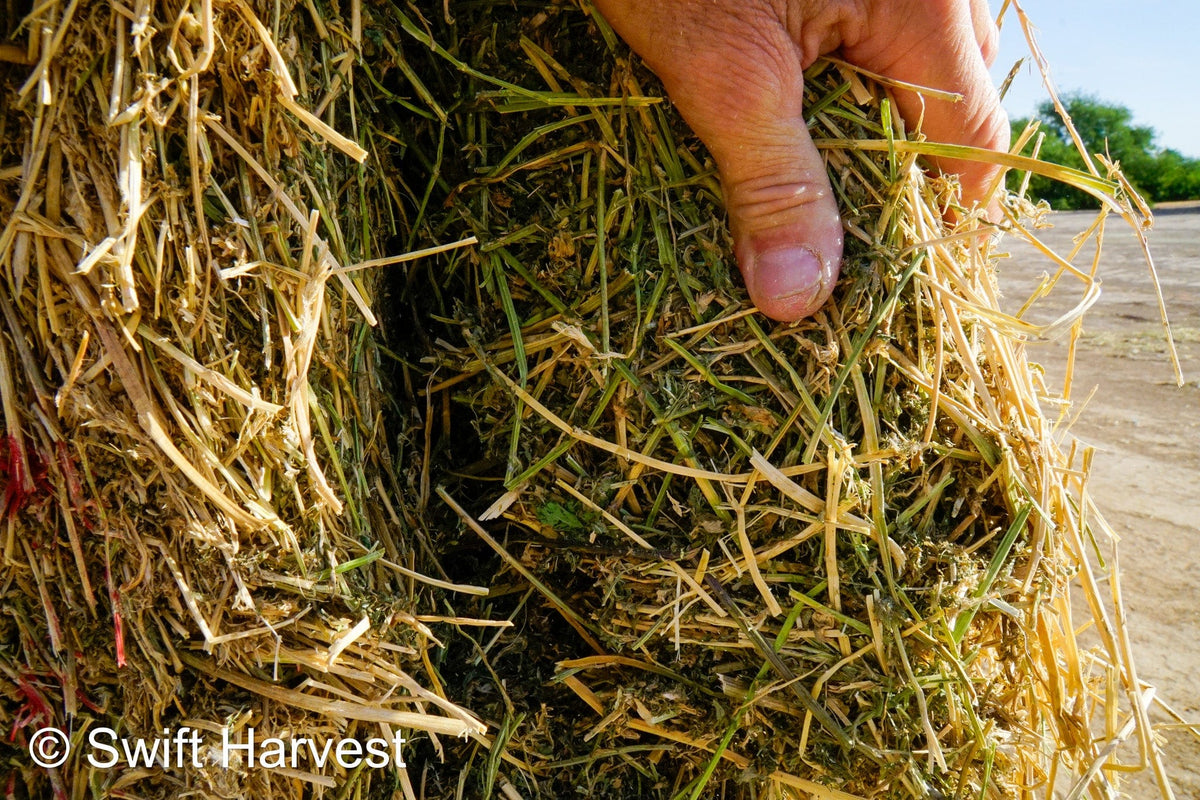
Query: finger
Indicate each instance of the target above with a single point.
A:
(936, 47)
(987, 34)
(736, 77)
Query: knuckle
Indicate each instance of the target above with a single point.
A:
(989, 43)
(988, 126)
(767, 201)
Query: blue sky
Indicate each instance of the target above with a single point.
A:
(1143, 54)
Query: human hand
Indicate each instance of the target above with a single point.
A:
(734, 69)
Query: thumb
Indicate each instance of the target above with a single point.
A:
(782, 211)
(736, 77)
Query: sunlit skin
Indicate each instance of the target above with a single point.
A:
(734, 69)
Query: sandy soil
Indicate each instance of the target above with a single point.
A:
(1146, 476)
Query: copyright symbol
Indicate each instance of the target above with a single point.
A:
(49, 748)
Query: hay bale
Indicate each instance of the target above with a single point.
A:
(578, 502)
(203, 524)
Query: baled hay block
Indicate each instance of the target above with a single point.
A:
(615, 527)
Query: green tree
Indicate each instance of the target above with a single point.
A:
(1159, 174)
(1179, 176)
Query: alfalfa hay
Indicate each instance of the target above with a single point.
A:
(194, 451)
(576, 501)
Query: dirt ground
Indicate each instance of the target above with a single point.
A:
(1146, 476)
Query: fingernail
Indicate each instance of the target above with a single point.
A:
(793, 275)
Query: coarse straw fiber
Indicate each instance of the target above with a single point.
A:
(376, 368)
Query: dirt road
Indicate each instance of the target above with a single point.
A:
(1146, 476)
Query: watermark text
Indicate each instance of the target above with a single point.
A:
(106, 748)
